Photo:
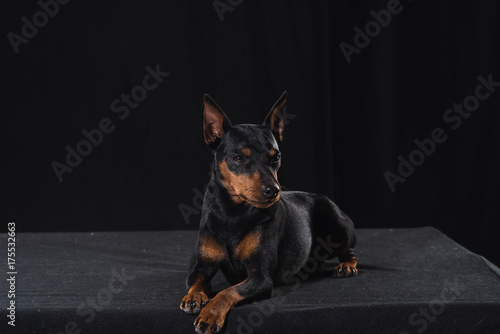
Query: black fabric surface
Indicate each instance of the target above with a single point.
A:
(401, 272)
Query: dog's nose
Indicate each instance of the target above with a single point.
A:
(270, 191)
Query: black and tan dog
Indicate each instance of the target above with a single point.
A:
(251, 229)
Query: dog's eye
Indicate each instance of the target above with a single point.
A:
(239, 159)
(276, 159)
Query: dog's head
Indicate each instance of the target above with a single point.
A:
(247, 156)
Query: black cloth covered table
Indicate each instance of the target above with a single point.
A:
(410, 280)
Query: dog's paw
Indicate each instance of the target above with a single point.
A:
(345, 269)
(193, 302)
(211, 320)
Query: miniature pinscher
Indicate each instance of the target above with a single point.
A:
(255, 232)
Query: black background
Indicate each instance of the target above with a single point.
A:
(351, 123)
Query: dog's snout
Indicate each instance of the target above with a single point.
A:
(270, 192)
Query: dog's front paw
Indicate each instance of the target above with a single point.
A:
(345, 269)
(211, 320)
(193, 302)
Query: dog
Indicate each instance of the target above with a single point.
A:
(255, 232)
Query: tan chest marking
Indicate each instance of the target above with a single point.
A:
(211, 250)
(248, 245)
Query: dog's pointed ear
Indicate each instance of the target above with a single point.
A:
(215, 122)
(275, 119)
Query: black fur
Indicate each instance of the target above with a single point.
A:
(290, 230)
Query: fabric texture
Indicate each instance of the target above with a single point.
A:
(410, 281)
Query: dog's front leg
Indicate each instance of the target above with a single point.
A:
(205, 262)
(198, 285)
(213, 315)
